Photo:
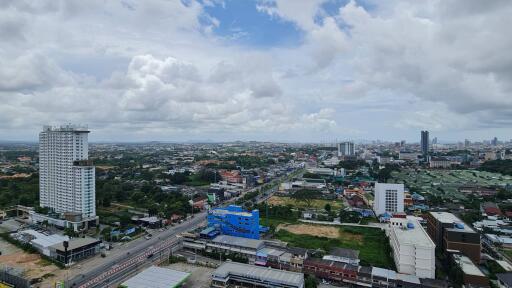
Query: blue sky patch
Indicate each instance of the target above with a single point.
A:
(242, 23)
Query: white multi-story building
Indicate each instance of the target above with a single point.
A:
(346, 149)
(413, 250)
(388, 198)
(66, 175)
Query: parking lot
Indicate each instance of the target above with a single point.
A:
(10, 225)
(200, 276)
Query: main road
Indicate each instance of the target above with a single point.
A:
(135, 255)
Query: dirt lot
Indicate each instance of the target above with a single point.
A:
(32, 264)
(200, 277)
(314, 230)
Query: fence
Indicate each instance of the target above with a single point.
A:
(8, 277)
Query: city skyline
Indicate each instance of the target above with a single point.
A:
(301, 71)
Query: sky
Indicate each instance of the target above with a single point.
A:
(266, 70)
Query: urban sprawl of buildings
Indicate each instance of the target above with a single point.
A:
(255, 214)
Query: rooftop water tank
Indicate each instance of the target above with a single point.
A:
(410, 225)
(459, 225)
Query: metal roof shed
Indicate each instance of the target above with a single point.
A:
(157, 277)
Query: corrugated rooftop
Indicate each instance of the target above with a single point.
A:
(259, 273)
(238, 241)
(157, 277)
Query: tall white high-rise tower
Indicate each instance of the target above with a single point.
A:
(66, 175)
(346, 149)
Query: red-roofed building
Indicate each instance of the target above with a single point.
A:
(199, 202)
(356, 201)
(231, 176)
(352, 191)
(491, 209)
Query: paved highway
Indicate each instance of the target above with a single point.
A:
(134, 255)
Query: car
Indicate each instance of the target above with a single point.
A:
(161, 229)
(147, 237)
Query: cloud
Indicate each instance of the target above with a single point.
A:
(28, 72)
(157, 70)
(300, 12)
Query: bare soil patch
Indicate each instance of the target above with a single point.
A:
(314, 230)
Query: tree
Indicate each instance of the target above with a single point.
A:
(385, 173)
(305, 196)
(456, 275)
(349, 216)
(107, 199)
(125, 219)
(311, 176)
(137, 197)
(504, 194)
(106, 233)
(68, 231)
(327, 207)
(497, 166)
(311, 281)
(209, 175)
(153, 210)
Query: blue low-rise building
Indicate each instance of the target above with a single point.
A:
(235, 221)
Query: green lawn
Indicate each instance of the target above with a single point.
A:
(372, 243)
(194, 180)
(508, 252)
(273, 222)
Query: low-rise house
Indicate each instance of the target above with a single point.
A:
(343, 255)
(231, 244)
(477, 190)
(472, 275)
(232, 274)
(200, 202)
(331, 270)
(41, 242)
(497, 240)
(151, 222)
(504, 280)
(491, 209)
(76, 250)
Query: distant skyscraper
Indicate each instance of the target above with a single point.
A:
(66, 176)
(346, 149)
(467, 143)
(494, 141)
(434, 141)
(424, 142)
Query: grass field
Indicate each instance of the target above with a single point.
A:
(273, 222)
(316, 203)
(372, 244)
(194, 180)
(508, 252)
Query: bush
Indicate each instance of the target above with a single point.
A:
(310, 281)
